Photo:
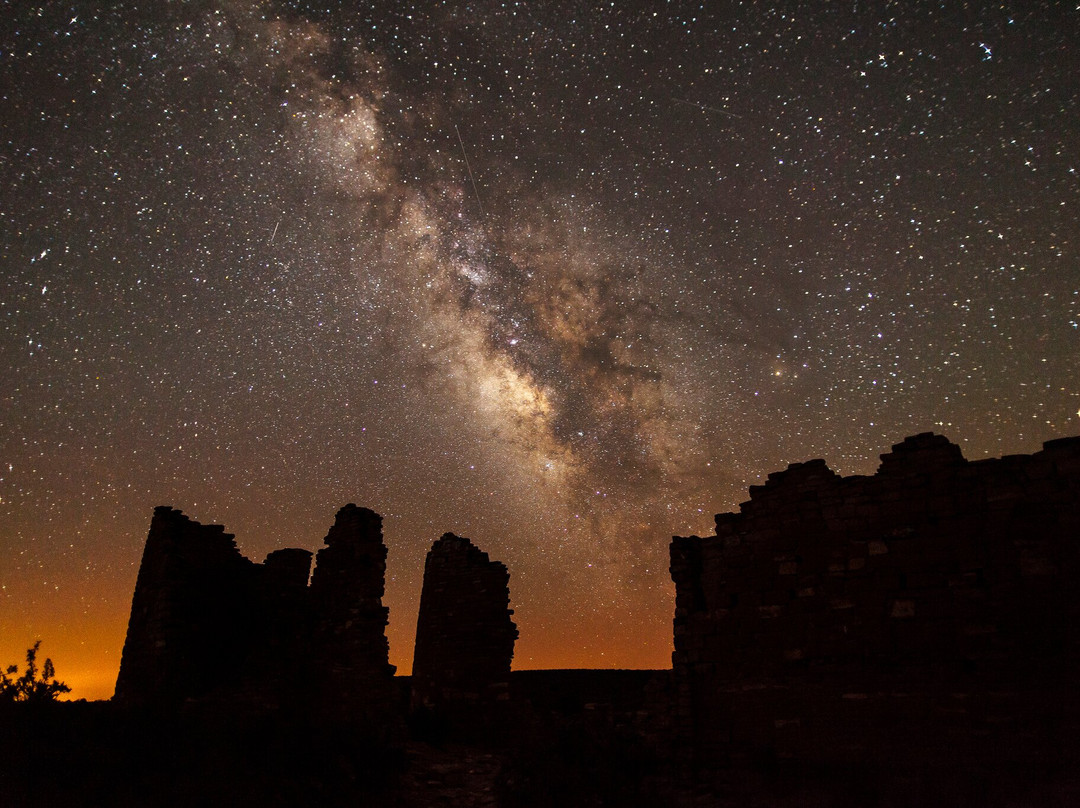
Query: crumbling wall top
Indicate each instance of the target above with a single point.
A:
(464, 634)
(353, 524)
(925, 452)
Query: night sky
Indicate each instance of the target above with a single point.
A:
(564, 278)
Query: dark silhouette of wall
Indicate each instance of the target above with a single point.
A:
(193, 614)
(464, 634)
(349, 627)
(207, 623)
(921, 617)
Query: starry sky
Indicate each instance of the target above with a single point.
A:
(561, 277)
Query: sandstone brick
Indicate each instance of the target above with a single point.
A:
(464, 633)
(934, 576)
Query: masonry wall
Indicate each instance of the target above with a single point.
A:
(464, 632)
(350, 649)
(191, 614)
(923, 616)
(207, 623)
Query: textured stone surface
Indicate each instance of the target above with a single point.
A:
(927, 610)
(208, 623)
(191, 612)
(464, 633)
(349, 620)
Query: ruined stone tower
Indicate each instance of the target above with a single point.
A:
(207, 623)
(192, 613)
(464, 633)
(349, 627)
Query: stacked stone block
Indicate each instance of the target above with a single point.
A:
(189, 612)
(349, 629)
(923, 611)
(464, 633)
(207, 623)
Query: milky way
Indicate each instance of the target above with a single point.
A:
(565, 280)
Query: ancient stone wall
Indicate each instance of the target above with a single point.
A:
(464, 633)
(189, 614)
(349, 627)
(208, 623)
(923, 616)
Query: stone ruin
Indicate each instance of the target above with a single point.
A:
(464, 634)
(923, 619)
(917, 626)
(207, 623)
(349, 630)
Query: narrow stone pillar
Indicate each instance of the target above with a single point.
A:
(464, 634)
(350, 649)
